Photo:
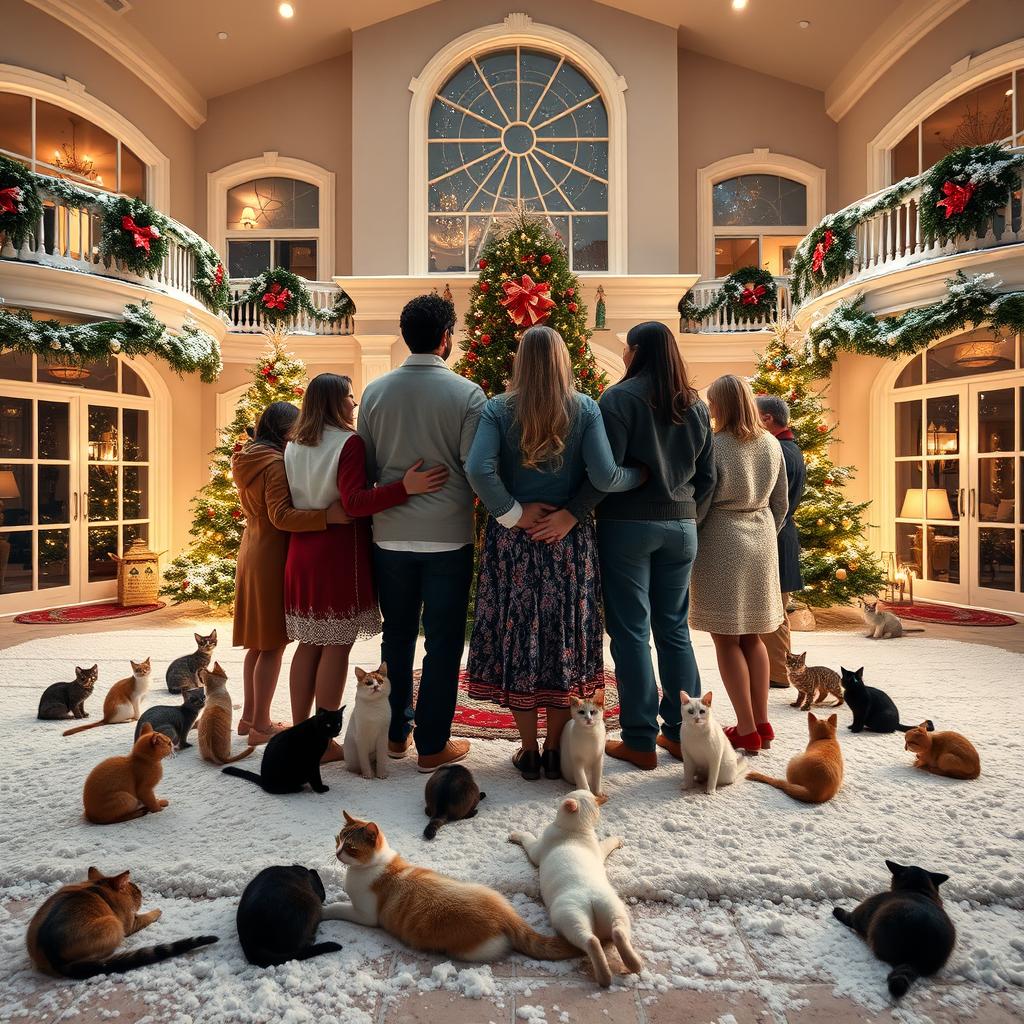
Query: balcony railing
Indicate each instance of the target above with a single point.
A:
(724, 321)
(246, 317)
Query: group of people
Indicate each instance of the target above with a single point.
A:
(647, 513)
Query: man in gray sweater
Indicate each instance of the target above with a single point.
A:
(423, 549)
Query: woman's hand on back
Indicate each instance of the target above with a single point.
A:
(553, 527)
(424, 481)
(336, 514)
(533, 513)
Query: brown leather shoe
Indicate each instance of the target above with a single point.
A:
(454, 750)
(675, 749)
(777, 684)
(646, 760)
(398, 750)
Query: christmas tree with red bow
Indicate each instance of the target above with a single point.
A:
(206, 570)
(524, 280)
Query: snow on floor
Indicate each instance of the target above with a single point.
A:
(771, 868)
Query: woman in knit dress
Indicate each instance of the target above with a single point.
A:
(329, 593)
(734, 591)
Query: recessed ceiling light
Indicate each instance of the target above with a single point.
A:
(285, 10)
(222, 36)
(804, 24)
(738, 5)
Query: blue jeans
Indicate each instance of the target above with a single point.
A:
(645, 573)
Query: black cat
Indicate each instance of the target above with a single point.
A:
(278, 916)
(292, 757)
(906, 927)
(63, 700)
(175, 722)
(451, 795)
(873, 709)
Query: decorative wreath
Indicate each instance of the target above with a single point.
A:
(748, 294)
(134, 235)
(280, 295)
(20, 207)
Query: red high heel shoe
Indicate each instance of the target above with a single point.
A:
(750, 743)
(767, 734)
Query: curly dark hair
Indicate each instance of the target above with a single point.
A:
(424, 321)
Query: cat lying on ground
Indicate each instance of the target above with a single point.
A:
(943, 753)
(451, 794)
(873, 709)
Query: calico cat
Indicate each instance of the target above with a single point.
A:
(60, 700)
(430, 912)
(882, 625)
(708, 756)
(943, 753)
(451, 795)
(175, 722)
(366, 739)
(121, 788)
(292, 757)
(184, 672)
(582, 744)
(814, 683)
(584, 907)
(278, 915)
(215, 725)
(816, 775)
(123, 702)
(873, 709)
(75, 932)
(906, 927)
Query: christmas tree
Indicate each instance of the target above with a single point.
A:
(836, 562)
(524, 280)
(206, 571)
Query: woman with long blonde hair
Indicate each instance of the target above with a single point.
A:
(538, 636)
(735, 593)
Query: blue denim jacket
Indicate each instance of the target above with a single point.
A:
(497, 474)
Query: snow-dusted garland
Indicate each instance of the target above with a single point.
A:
(20, 207)
(971, 301)
(749, 294)
(188, 350)
(280, 295)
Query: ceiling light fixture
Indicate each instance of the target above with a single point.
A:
(222, 36)
(804, 24)
(738, 5)
(285, 10)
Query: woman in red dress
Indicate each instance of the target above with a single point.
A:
(330, 600)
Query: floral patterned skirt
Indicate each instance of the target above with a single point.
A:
(538, 636)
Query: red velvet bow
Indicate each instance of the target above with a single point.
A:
(141, 235)
(277, 297)
(751, 296)
(9, 199)
(820, 251)
(527, 302)
(218, 275)
(957, 197)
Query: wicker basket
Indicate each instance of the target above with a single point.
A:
(138, 576)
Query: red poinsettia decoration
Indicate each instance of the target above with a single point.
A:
(527, 303)
(821, 251)
(752, 294)
(141, 234)
(10, 199)
(957, 197)
(276, 296)
(218, 275)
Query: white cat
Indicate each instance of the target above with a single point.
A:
(707, 753)
(582, 745)
(882, 625)
(584, 908)
(366, 740)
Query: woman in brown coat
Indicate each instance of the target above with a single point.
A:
(259, 626)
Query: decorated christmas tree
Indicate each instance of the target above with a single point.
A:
(524, 280)
(206, 570)
(836, 562)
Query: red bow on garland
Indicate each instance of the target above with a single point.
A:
(277, 297)
(957, 197)
(9, 199)
(526, 301)
(141, 235)
(751, 296)
(821, 251)
(218, 275)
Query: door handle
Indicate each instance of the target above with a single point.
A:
(960, 504)
(74, 518)
(972, 502)
(85, 504)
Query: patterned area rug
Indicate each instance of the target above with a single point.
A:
(85, 613)
(482, 720)
(948, 615)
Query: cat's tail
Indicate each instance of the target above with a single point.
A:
(238, 757)
(539, 947)
(240, 773)
(82, 728)
(136, 958)
(916, 629)
(901, 727)
(433, 825)
(900, 979)
(801, 793)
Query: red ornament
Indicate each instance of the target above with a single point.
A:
(957, 197)
(822, 429)
(751, 296)
(276, 297)
(545, 258)
(10, 198)
(185, 584)
(236, 513)
(572, 307)
(237, 448)
(526, 258)
(527, 303)
(570, 292)
(482, 264)
(485, 286)
(218, 275)
(271, 379)
(141, 235)
(471, 356)
(485, 339)
(485, 383)
(829, 481)
(474, 344)
(821, 251)
(299, 392)
(210, 513)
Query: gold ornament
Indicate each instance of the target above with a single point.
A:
(821, 522)
(854, 566)
(847, 523)
(840, 574)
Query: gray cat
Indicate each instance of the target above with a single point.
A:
(175, 722)
(61, 700)
(184, 673)
(882, 625)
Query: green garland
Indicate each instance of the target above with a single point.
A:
(748, 293)
(117, 241)
(18, 190)
(279, 295)
(188, 350)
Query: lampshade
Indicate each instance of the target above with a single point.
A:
(937, 504)
(248, 219)
(8, 484)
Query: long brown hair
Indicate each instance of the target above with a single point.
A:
(656, 353)
(733, 407)
(543, 390)
(321, 407)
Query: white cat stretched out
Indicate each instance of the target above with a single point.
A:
(366, 740)
(582, 745)
(708, 756)
(882, 625)
(584, 908)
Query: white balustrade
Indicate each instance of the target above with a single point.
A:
(724, 321)
(246, 317)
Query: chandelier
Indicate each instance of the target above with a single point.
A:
(981, 354)
(67, 159)
(447, 232)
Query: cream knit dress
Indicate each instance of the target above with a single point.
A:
(735, 584)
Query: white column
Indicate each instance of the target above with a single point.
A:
(374, 356)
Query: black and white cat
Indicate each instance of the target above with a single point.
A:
(873, 709)
(67, 700)
(175, 722)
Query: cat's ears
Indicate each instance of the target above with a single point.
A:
(85, 671)
(571, 805)
(217, 670)
(349, 820)
(895, 869)
(684, 697)
(213, 636)
(706, 699)
(145, 729)
(360, 674)
(938, 879)
(574, 701)
(383, 670)
(833, 720)
(199, 639)
(116, 882)
(598, 697)
(94, 874)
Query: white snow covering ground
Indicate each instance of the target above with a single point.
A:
(727, 887)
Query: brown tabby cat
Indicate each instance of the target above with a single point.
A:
(215, 723)
(123, 702)
(943, 753)
(122, 788)
(427, 911)
(75, 932)
(813, 683)
(814, 776)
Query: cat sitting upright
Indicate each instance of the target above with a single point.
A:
(215, 725)
(175, 722)
(63, 700)
(185, 672)
(121, 788)
(816, 775)
(873, 709)
(582, 744)
(882, 625)
(123, 702)
(708, 756)
(366, 739)
(813, 682)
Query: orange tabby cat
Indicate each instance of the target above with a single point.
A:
(123, 702)
(427, 911)
(122, 788)
(75, 932)
(943, 753)
(215, 723)
(815, 775)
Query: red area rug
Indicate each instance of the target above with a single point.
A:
(948, 615)
(480, 719)
(85, 613)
